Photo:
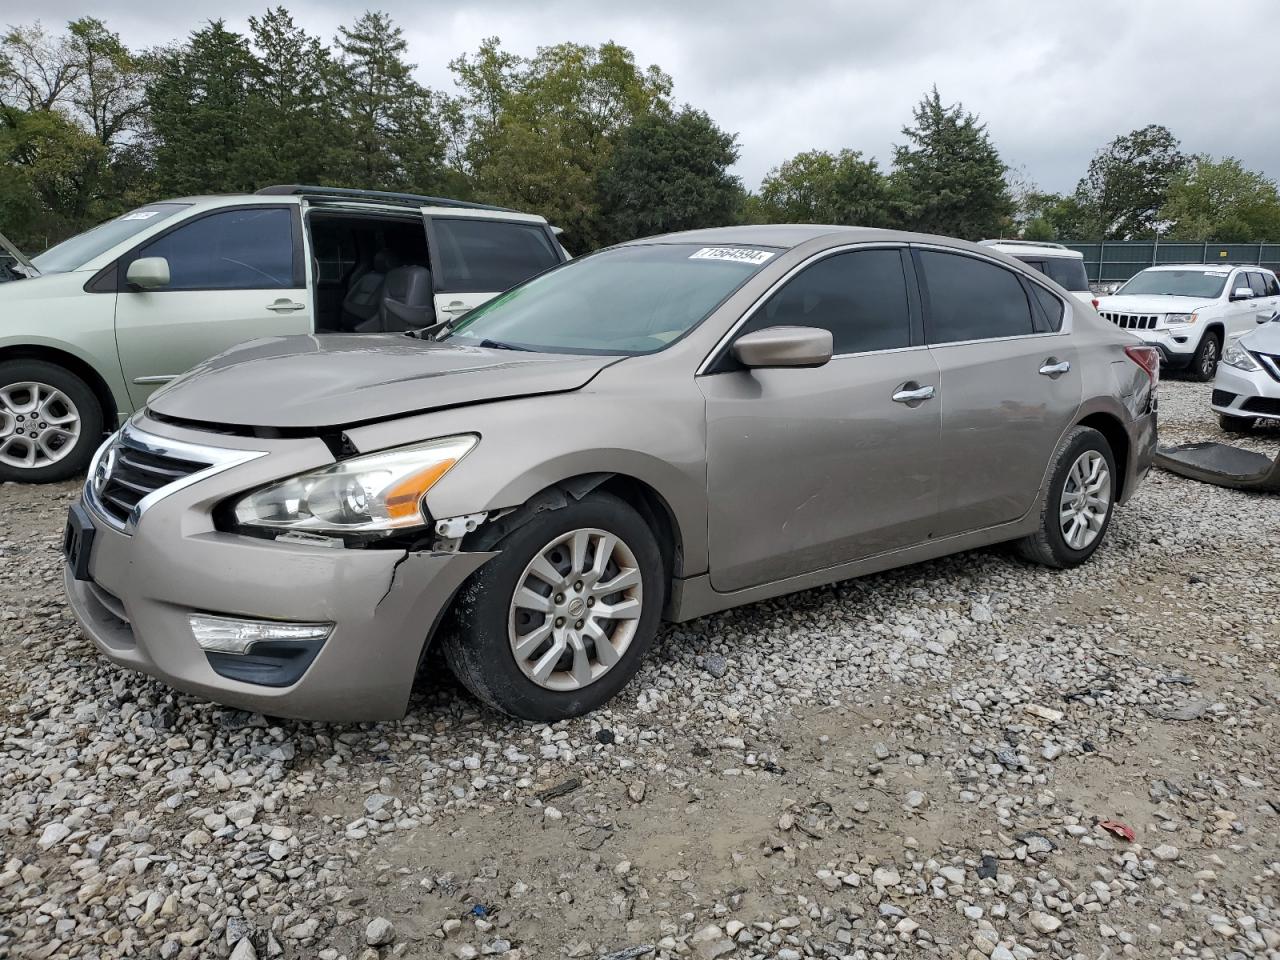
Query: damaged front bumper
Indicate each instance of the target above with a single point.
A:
(140, 590)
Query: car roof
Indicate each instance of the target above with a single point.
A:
(1207, 266)
(789, 235)
(1024, 247)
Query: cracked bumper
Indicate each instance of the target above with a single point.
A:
(383, 604)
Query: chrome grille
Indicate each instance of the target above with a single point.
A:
(1132, 321)
(127, 473)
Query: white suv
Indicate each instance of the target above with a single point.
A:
(1190, 311)
(1063, 266)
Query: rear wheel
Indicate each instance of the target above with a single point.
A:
(1077, 511)
(1204, 365)
(1235, 424)
(50, 422)
(560, 620)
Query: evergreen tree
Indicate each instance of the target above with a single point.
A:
(948, 178)
(669, 172)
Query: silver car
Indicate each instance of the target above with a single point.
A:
(662, 429)
(1247, 387)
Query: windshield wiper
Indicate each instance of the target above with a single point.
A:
(499, 345)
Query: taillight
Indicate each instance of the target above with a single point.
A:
(1095, 303)
(1148, 358)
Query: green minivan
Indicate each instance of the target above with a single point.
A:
(90, 327)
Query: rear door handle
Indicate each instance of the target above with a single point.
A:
(912, 393)
(1053, 367)
(284, 305)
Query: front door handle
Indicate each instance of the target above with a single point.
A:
(1053, 367)
(455, 306)
(912, 394)
(284, 305)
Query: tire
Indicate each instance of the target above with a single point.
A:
(1235, 424)
(60, 449)
(1049, 545)
(1204, 364)
(481, 647)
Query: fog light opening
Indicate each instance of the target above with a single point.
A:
(237, 636)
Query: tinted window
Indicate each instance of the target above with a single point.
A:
(243, 249)
(1257, 284)
(490, 255)
(1051, 306)
(861, 297)
(972, 299)
(1273, 285)
(1067, 272)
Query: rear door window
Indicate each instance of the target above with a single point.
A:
(1067, 272)
(1273, 285)
(971, 299)
(487, 256)
(1257, 284)
(234, 249)
(860, 296)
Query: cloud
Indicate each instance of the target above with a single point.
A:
(1054, 80)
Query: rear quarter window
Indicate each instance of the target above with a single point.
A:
(1067, 272)
(489, 256)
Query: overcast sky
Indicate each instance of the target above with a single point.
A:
(1053, 79)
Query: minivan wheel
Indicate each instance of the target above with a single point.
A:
(1077, 512)
(560, 620)
(50, 422)
(1204, 365)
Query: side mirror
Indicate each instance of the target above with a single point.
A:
(148, 273)
(1242, 293)
(784, 347)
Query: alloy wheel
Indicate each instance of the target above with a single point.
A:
(39, 425)
(1085, 501)
(1209, 358)
(576, 609)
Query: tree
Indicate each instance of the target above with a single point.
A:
(544, 128)
(395, 140)
(198, 99)
(948, 178)
(1128, 182)
(1220, 200)
(295, 129)
(669, 172)
(821, 187)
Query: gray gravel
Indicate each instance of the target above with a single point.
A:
(914, 764)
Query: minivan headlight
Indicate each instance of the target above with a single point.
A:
(377, 493)
(1238, 357)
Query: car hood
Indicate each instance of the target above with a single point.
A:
(312, 382)
(1146, 303)
(1266, 339)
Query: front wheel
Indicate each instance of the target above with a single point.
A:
(1235, 424)
(50, 422)
(1077, 510)
(560, 620)
(1204, 365)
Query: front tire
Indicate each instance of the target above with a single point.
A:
(559, 622)
(1235, 424)
(1204, 365)
(1077, 511)
(50, 422)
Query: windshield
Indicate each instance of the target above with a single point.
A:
(621, 302)
(1176, 283)
(74, 253)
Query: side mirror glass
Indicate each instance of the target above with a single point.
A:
(784, 347)
(148, 273)
(1242, 293)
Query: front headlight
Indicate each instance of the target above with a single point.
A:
(1172, 318)
(1240, 358)
(377, 493)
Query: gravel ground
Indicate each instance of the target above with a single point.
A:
(914, 764)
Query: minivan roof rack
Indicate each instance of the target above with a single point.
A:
(1025, 243)
(382, 196)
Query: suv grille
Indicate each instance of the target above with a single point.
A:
(1133, 321)
(132, 473)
